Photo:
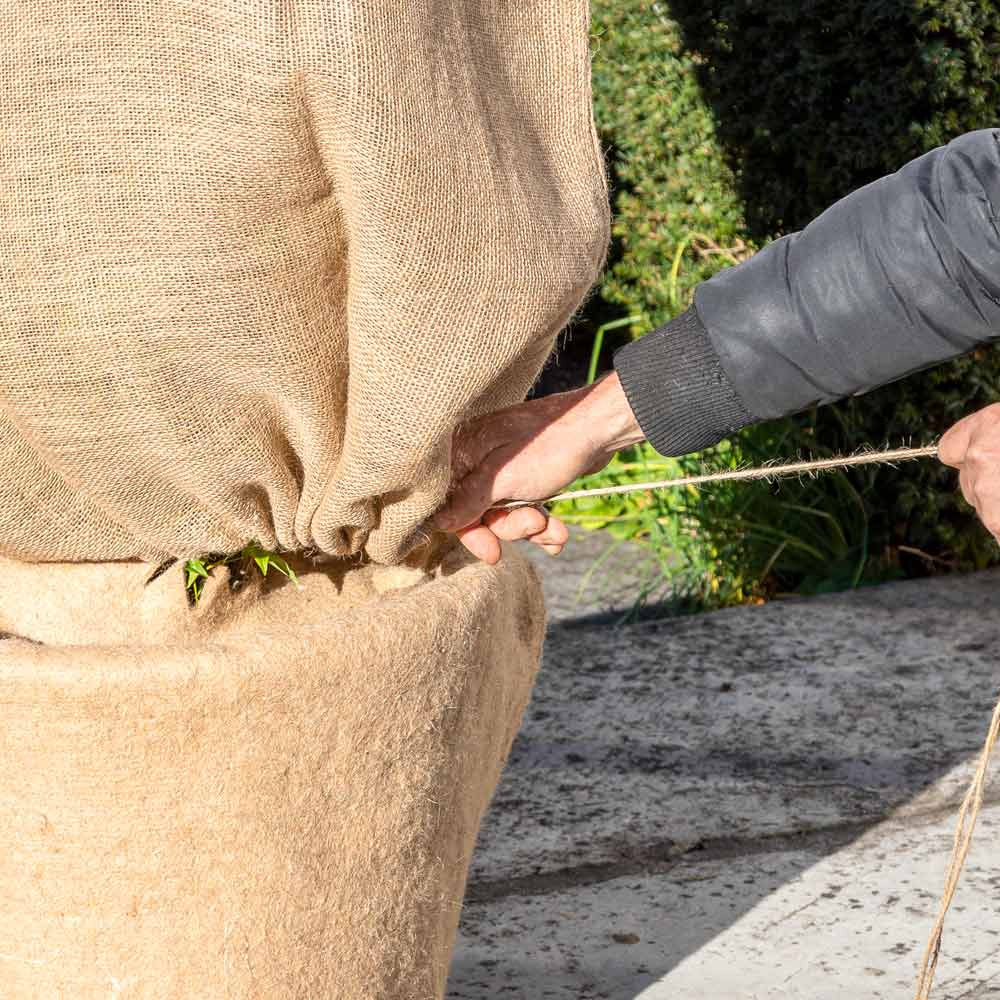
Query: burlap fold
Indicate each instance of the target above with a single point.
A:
(258, 259)
(273, 795)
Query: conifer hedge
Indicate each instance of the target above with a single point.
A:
(730, 122)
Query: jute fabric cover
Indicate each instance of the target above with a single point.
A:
(273, 795)
(258, 258)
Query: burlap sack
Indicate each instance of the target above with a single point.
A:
(259, 258)
(273, 795)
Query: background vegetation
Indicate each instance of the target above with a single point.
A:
(728, 123)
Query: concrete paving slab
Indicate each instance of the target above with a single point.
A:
(752, 724)
(756, 803)
(820, 921)
(597, 579)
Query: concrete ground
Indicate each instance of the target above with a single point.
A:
(757, 803)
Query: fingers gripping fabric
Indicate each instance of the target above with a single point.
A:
(272, 796)
(260, 258)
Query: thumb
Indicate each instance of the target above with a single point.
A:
(472, 496)
(472, 443)
(954, 442)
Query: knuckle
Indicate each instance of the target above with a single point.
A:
(532, 520)
(978, 452)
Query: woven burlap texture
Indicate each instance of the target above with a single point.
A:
(260, 258)
(279, 802)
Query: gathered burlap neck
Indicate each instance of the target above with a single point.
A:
(259, 259)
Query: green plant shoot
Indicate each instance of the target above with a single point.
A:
(198, 570)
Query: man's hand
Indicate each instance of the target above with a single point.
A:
(530, 452)
(973, 447)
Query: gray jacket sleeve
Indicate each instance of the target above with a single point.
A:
(899, 275)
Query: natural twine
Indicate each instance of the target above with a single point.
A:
(969, 811)
(963, 840)
(759, 472)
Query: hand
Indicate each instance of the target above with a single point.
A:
(531, 451)
(973, 447)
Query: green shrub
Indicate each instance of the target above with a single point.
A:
(673, 189)
(817, 97)
(729, 122)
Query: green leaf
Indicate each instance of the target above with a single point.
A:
(283, 567)
(197, 566)
(194, 569)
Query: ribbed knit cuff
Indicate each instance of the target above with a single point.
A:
(677, 387)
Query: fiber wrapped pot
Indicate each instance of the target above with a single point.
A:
(272, 795)
(259, 260)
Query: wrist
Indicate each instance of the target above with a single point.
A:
(610, 422)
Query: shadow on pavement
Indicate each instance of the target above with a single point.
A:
(726, 755)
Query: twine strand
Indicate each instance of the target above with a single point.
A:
(768, 472)
(969, 811)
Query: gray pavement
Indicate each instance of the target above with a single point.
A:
(754, 803)
(598, 580)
